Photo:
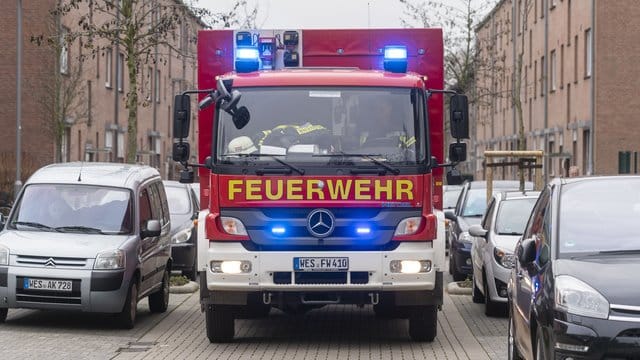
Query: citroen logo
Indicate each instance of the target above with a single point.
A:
(320, 223)
(50, 263)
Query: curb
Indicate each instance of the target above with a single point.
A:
(454, 289)
(187, 288)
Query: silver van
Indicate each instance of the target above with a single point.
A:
(90, 237)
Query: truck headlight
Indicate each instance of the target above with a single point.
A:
(408, 226)
(504, 258)
(231, 266)
(181, 236)
(410, 266)
(4, 255)
(233, 226)
(110, 260)
(577, 297)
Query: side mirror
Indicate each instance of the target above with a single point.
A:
(181, 151)
(478, 231)
(527, 252)
(459, 116)
(457, 152)
(450, 215)
(181, 116)
(454, 177)
(223, 92)
(150, 229)
(241, 117)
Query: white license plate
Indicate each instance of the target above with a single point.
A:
(321, 263)
(47, 284)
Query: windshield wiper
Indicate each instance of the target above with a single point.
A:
(274, 157)
(33, 225)
(510, 233)
(620, 252)
(79, 228)
(369, 157)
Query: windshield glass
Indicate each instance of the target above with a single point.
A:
(450, 197)
(179, 200)
(304, 125)
(54, 206)
(513, 215)
(476, 202)
(600, 215)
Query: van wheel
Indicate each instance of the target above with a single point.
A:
(220, 323)
(159, 300)
(3, 314)
(423, 323)
(127, 317)
(478, 298)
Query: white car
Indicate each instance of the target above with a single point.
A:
(492, 251)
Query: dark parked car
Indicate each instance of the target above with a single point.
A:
(574, 292)
(450, 194)
(494, 241)
(470, 208)
(183, 208)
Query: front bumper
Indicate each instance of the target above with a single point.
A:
(368, 270)
(498, 277)
(92, 291)
(183, 256)
(462, 254)
(608, 339)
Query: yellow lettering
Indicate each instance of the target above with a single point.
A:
(339, 189)
(363, 186)
(269, 190)
(386, 189)
(253, 189)
(313, 187)
(404, 187)
(234, 188)
(294, 189)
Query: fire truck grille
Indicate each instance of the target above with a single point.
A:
(321, 278)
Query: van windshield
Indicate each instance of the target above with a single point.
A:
(74, 208)
(319, 125)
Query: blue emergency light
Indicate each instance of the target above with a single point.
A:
(395, 59)
(278, 230)
(247, 59)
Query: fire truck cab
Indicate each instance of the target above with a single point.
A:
(320, 169)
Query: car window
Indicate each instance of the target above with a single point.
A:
(179, 200)
(513, 215)
(145, 207)
(486, 219)
(450, 198)
(476, 203)
(539, 225)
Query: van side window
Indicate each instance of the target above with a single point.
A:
(163, 205)
(145, 207)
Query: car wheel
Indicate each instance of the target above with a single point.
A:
(220, 323)
(478, 298)
(3, 314)
(457, 276)
(512, 349)
(127, 317)
(423, 323)
(159, 300)
(491, 308)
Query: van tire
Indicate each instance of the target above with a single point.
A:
(220, 323)
(159, 300)
(423, 323)
(3, 314)
(127, 317)
(478, 297)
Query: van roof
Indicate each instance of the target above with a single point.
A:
(94, 173)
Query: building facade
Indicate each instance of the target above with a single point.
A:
(87, 92)
(576, 85)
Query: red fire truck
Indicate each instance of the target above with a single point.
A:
(320, 164)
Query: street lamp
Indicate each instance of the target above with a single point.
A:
(18, 184)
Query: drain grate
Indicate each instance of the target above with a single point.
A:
(137, 347)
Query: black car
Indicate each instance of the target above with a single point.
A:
(183, 208)
(574, 292)
(469, 209)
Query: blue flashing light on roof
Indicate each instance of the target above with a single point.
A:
(247, 59)
(395, 59)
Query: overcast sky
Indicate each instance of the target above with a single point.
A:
(281, 14)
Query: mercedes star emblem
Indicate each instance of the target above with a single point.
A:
(320, 223)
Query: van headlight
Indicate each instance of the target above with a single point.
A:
(181, 236)
(110, 260)
(577, 297)
(4, 255)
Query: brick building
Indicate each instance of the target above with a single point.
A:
(578, 84)
(95, 123)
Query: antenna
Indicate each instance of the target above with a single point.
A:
(368, 15)
(80, 173)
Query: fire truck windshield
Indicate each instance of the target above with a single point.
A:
(304, 125)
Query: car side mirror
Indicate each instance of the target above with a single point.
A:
(241, 117)
(527, 252)
(478, 231)
(450, 215)
(454, 177)
(181, 116)
(150, 229)
(459, 116)
(457, 152)
(181, 151)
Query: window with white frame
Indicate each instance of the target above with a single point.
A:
(156, 83)
(588, 53)
(120, 72)
(108, 67)
(552, 64)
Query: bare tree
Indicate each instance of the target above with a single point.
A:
(241, 16)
